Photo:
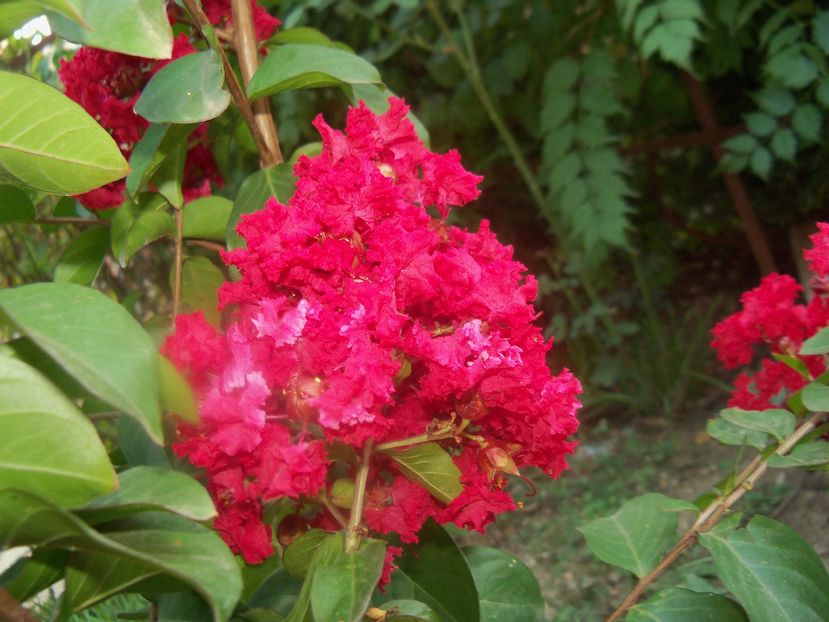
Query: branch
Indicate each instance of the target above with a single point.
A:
(12, 611)
(233, 85)
(713, 513)
(245, 45)
(212, 246)
(352, 532)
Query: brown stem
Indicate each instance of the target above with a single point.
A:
(416, 440)
(12, 611)
(739, 195)
(178, 260)
(81, 222)
(352, 532)
(212, 246)
(246, 49)
(233, 84)
(713, 513)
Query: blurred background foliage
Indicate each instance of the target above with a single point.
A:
(619, 141)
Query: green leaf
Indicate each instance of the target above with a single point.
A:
(176, 395)
(310, 66)
(47, 446)
(744, 144)
(429, 465)
(82, 260)
(817, 343)
(435, 572)
(278, 182)
(137, 224)
(677, 604)
(95, 340)
(806, 121)
(188, 90)
(200, 281)
(134, 27)
(149, 153)
(784, 144)
(803, 455)
(760, 123)
(14, 14)
(776, 100)
(730, 434)
(816, 397)
(15, 205)
(508, 590)
(301, 35)
(342, 587)
(820, 30)
(29, 576)
(93, 577)
(637, 535)
(822, 92)
(776, 422)
(792, 69)
(407, 610)
(207, 218)
(300, 552)
(51, 143)
(137, 446)
(146, 488)
(166, 543)
(760, 162)
(773, 573)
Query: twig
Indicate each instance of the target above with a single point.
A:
(245, 45)
(12, 611)
(713, 513)
(352, 532)
(332, 509)
(213, 246)
(177, 266)
(232, 84)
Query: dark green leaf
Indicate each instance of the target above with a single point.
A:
(507, 589)
(776, 576)
(95, 340)
(820, 30)
(277, 182)
(680, 605)
(310, 66)
(804, 455)
(806, 121)
(135, 27)
(298, 555)
(730, 434)
(637, 535)
(776, 422)
(29, 576)
(53, 145)
(82, 260)
(137, 224)
(156, 145)
(776, 101)
(15, 205)
(760, 123)
(429, 465)
(200, 281)
(137, 446)
(93, 577)
(409, 611)
(760, 162)
(188, 90)
(175, 392)
(47, 446)
(207, 218)
(784, 144)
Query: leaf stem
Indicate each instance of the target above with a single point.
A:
(211, 246)
(352, 532)
(332, 509)
(177, 266)
(265, 154)
(713, 513)
(416, 440)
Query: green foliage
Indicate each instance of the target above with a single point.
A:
(681, 605)
(82, 260)
(429, 465)
(277, 182)
(207, 218)
(508, 589)
(670, 28)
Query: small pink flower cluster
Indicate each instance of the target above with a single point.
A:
(107, 85)
(771, 316)
(361, 318)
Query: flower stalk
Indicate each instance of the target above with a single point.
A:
(352, 532)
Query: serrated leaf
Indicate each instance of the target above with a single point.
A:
(730, 434)
(135, 27)
(507, 588)
(207, 218)
(774, 421)
(817, 343)
(773, 573)
(760, 123)
(51, 143)
(15, 205)
(429, 465)
(636, 535)
(188, 90)
(254, 192)
(310, 66)
(792, 69)
(82, 260)
(760, 162)
(784, 144)
(562, 75)
(95, 340)
(775, 100)
(744, 143)
(806, 121)
(681, 605)
(47, 446)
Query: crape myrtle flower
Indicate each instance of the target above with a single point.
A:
(361, 316)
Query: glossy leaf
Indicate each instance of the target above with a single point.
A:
(200, 281)
(207, 218)
(95, 340)
(82, 260)
(137, 224)
(15, 205)
(730, 434)
(175, 392)
(51, 143)
(137, 446)
(187, 90)
(254, 192)
(774, 574)
(299, 553)
(406, 610)
(816, 397)
(637, 535)
(429, 465)
(135, 27)
(170, 544)
(290, 67)
(342, 587)
(804, 455)
(507, 588)
(93, 577)
(47, 446)
(817, 343)
(776, 422)
(435, 572)
(680, 605)
(149, 153)
(146, 488)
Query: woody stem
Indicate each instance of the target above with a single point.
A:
(352, 532)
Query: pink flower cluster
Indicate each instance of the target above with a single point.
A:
(359, 318)
(107, 85)
(771, 316)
